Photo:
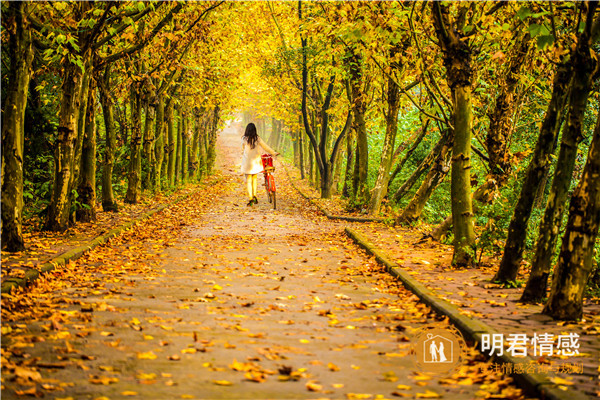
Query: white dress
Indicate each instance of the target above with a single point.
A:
(251, 163)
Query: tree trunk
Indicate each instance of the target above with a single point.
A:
(159, 151)
(86, 188)
(501, 126)
(81, 121)
(583, 66)
(426, 164)
(178, 136)
(577, 251)
(457, 61)
(134, 178)
(184, 147)
(13, 125)
(517, 229)
(171, 132)
(346, 191)
(195, 141)
(301, 148)
(413, 147)
(59, 208)
(211, 154)
(434, 177)
(202, 146)
(359, 108)
(108, 198)
(387, 153)
(149, 138)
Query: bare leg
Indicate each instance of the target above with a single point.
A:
(250, 185)
(254, 184)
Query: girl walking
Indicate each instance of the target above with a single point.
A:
(253, 147)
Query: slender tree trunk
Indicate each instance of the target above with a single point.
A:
(301, 147)
(171, 132)
(211, 154)
(457, 61)
(178, 136)
(411, 150)
(195, 141)
(108, 198)
(184, 147)
(59, 207)
(359, 108)
(159, 151)
(434, 177)
(517, 229)
(134, 178)
(202, 146)
(81, 121)
(87, 176)
(425, 165)
(348, 176)
(13, 125)
(149, 138)
(577, 251)
(501, 126)
(387, 153)
(583, 67)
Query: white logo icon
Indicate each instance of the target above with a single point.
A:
(436, 348)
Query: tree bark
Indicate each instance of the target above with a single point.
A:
(134, 178)
(359, 108)
(159, 151)
(184, 147)
(387, 153)
(576, 255)
(501, 126)
(86, 188)
(426, 164)
(434, 177)
(411, 150)
(171, 132)
(13, 124)
(517, 229)
(583, 67)
(148, 146)
(108, 198)
(59, 208)
(457, 61)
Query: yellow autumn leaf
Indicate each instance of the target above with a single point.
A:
(358, 396)
(561, 381)
(222, 383)
(429, 394)
(147, 356)
(333, 367)
(146, 377)
(313, 386)
(403, 387)
(129, 393)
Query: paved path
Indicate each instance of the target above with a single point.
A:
(226, 302)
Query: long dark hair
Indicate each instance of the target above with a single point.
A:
(250, 135)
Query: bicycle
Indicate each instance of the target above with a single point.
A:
(268, 168)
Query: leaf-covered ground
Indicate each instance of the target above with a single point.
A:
(214, 299)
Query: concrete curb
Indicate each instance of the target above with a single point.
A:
(472, 329)
(322, 210)
(73, 254)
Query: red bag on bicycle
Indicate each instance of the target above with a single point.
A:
(267, 161)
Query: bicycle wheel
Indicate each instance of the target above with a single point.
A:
(272, 191)
(267, 188)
